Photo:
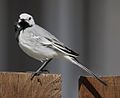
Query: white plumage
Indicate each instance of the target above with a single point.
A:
(31, 42)
(42, 45)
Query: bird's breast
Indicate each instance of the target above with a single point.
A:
(34, 49)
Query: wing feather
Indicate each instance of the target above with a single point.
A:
(51, 41)
(65, 50)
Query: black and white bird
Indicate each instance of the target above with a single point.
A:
(42, 45)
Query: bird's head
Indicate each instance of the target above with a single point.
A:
(25, 20)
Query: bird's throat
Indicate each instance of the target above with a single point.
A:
(23, 25)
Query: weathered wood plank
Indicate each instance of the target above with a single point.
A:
(20, 85)
(89, 87)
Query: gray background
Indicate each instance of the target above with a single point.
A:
(90, 27)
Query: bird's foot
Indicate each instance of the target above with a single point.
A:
(38, 73)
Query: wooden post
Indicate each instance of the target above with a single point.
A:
(20, 85)
(89, 87)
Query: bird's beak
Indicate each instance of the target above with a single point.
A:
(16, 25)
(19, 22)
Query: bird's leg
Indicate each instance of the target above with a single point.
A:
(40, 69)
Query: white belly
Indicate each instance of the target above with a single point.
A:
(33, 48)
(41, 54)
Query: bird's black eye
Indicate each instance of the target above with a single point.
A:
(29, 18)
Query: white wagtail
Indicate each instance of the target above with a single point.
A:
(42, 45)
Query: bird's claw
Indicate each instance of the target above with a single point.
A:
(38, 73)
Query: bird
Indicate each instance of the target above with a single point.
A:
(41, 45)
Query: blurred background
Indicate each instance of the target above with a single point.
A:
(89, 27)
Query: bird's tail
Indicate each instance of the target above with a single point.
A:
(76, 62)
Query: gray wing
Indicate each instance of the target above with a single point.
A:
(44, 33)
(51, 41)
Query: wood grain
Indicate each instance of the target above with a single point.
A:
(20, 85)
(89, 87)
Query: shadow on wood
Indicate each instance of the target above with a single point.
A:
(89, 87)
(84, 81)
(19, 85)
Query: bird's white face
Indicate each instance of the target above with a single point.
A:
(26, 18)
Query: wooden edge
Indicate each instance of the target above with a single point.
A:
(20, 85)
(89, 87)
